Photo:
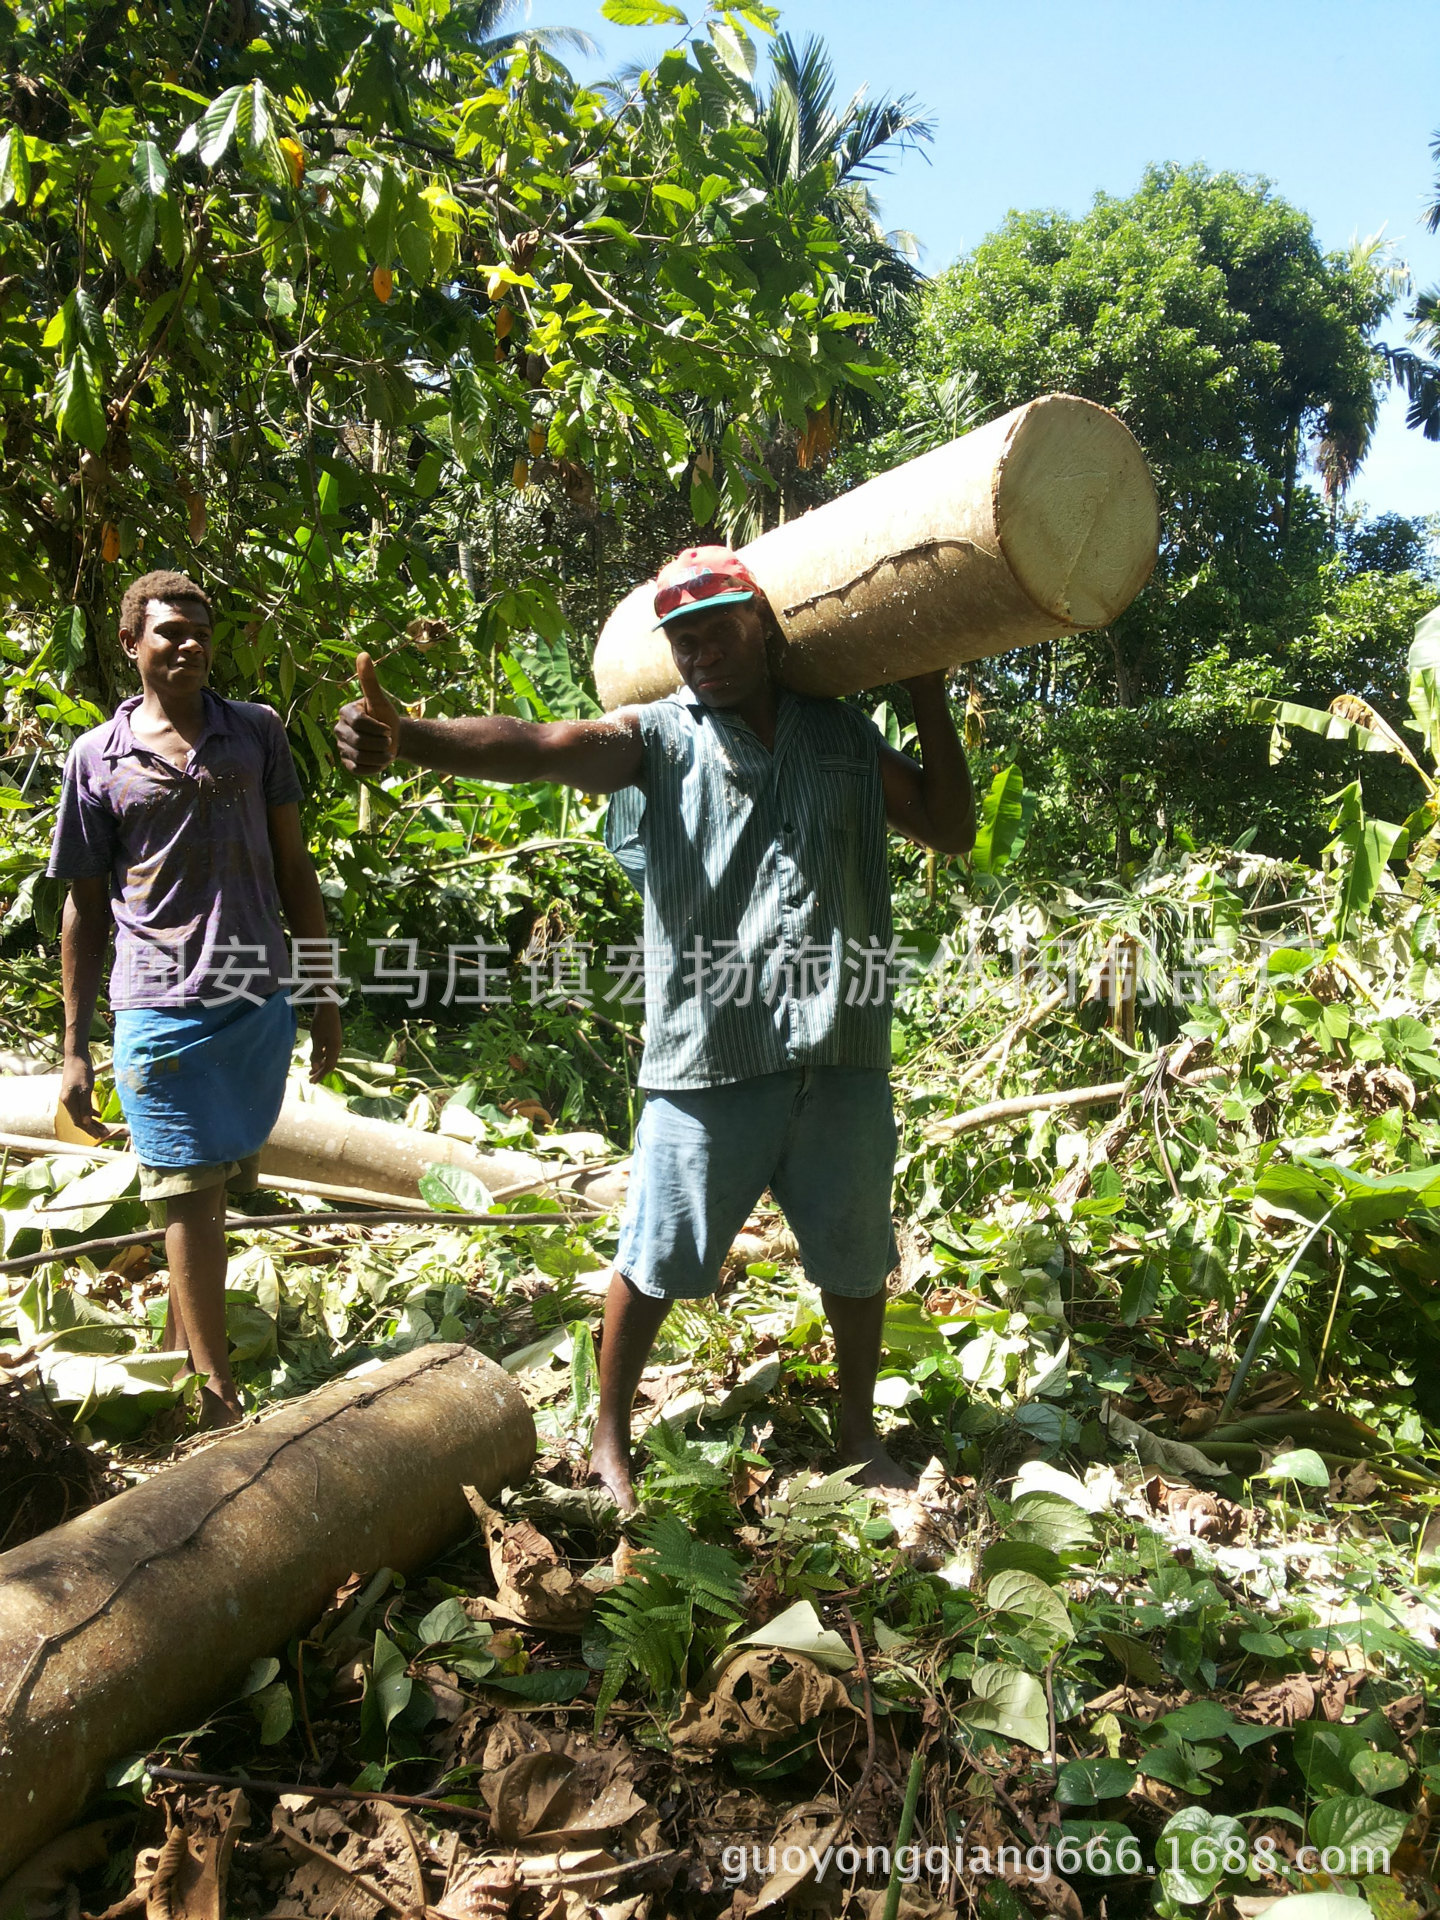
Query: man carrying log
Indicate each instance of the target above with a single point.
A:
(755, 820)
(179, 824)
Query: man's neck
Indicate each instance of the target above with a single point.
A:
(759, 714)
(184, 713)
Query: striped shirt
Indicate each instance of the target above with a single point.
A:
(767, 894)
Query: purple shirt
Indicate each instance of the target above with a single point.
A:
(192, 882)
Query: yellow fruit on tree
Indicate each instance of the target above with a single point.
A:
(295, 154)
(195, 505)
(495, 286)
(521, 473)
(383, 281)
(537, 442)
(109, 541)
(504, 320)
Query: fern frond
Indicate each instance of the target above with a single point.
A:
(708, 1575)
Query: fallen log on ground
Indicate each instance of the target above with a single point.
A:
(995, 1111)
(319, 1143)
(281, 1222)
(143, 1615)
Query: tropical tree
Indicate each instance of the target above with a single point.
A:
(302, 296)
(1417, 368)
(1203, 310)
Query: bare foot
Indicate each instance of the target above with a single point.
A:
(877, 1469)
(611, 1467)
(216, 1413)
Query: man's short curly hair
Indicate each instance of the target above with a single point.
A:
(160, 585)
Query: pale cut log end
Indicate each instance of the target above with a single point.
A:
(1076, 511)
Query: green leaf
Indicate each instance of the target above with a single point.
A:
(1025, 1598)
(415, 236)
(148, 171)
(259, 1674)
(259, 142)
(1050, 1521)
(551, 1685)
(1379, 1772)
(1001, 832)
(1366, 1832)
(137, 230)
(211, 134)
(14, 169)
(274, 1708)
(1007, 1701)
(380, 206)
(447, 1623)
(79, 407)
(584, 1378)
(642, 13)
(1303, 1465)
(1325, 1753)
(1083, 1783)
(1181, 1765)
(736, 49)
(390, 1686)
(454, 1190)
(1191, 1832)
(1201, 1720)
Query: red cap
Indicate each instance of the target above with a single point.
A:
(701, 577)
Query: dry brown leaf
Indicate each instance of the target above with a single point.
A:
(49, 1871)
(481, 1890)
(186, 1877)
(1192, 1512)
(532, 1583)
(761, 1697)
(547, 1794)
(1278, 1703)
(813, 1826)
(349, 1865)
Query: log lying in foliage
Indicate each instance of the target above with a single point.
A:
(332, 1150)
(1040, 524)
(144, 1614)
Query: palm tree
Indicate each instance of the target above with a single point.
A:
(1419, 373)
(1348, 428)
(816, 152)
(482, 21)
(804, 133)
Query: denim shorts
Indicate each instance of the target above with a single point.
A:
(821, 1138)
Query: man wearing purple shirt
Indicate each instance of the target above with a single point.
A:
(179, 824)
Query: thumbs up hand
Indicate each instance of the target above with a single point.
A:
(367, 731)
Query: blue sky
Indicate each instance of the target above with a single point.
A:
(1044, 102)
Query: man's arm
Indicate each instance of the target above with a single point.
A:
(304, 906)
(84, 935)
(597, 756)
(933, 803)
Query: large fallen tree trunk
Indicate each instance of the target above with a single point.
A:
(329, 1149)
(143, 1615)
(1040, 524)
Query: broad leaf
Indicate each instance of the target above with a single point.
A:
(1191, 1851)
(1364, 1830)
(78, 404)
(454, 1190)
(1007, 1701)
(1083, 1783)
(1025, 1598)
(642, 13)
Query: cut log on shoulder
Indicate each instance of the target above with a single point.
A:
(1041, 524)
(322, 1147)
(140, 1617)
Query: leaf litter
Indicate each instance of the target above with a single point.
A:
(1133, 1610)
